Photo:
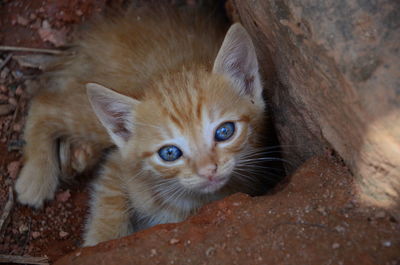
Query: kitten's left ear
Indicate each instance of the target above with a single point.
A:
(237, 60)
(115, 111)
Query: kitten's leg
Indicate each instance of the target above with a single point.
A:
(50, 118)
(110, 217)
(38, 179)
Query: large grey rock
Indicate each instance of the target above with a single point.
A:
(338, 65)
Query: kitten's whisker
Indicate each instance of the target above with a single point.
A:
(167, 190)
(237, 180)
(266, 159)
(272, 147)
(169, 193)
(245, 176)
(259, 172)
(243, 180)
(137, 175)
(252, 166)
(252, 153)
(258, 150)
(174, 197)
(258, 154)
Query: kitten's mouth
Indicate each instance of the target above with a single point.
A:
(213, 185)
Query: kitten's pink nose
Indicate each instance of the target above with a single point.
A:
(208, 171)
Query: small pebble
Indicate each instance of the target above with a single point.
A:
(210, 251)
(63, 234)
(35, 234)
(32, 16)
(340, 229)
(174, 241)
(22, 21)
(13, 101)
(17, 127)
(153, 252)
(335, 245)
(387, 243)
(322, 210)
(45, 24)
(23, 228)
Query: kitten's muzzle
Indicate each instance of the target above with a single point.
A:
(214, 184)
(208, 172)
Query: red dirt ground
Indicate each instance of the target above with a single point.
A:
(56, 229)
(315, 219)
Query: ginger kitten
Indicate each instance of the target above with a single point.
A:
(182, 103)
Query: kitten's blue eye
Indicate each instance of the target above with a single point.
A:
(224, 131)
(170, 153)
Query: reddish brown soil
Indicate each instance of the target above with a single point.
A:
(315, 219)
(56, 229)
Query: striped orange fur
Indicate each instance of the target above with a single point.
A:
(141, 81)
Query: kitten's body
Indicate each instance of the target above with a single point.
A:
(176, 92)
(125, 54)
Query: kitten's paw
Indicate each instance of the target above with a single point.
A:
(75, 158)
(82, 158)
(33, 188)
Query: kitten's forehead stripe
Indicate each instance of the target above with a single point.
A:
(176, 121)
(244, 118)
(146, 154)
(199, 109)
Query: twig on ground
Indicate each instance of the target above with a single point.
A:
(5, 62)
(24, 259)
(27, 49)
(6, 211)
(27, 236)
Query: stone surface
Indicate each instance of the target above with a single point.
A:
(339, 83)
(312, 220)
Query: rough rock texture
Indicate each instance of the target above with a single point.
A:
(312, 220)
(339, 69)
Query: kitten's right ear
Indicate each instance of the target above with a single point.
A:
(115, 111)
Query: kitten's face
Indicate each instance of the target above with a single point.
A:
(191, 125)
(195, 131)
